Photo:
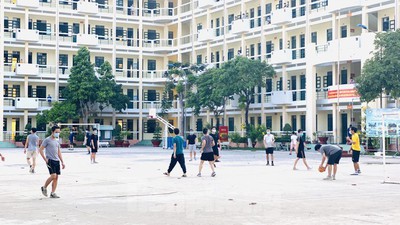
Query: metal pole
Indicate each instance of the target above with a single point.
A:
(383, 147)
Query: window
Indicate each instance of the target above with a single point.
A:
(231, 17)
(314, 37)
(252, 18)
(252, 50)
(63, 27)
(130, 93)
(119, 32)
(151, 64)
(231, 53)
(151, 95)
(42, 58)
(150, 126)
(63, 59)
(231, 124)
(199, 125)
(303, 122)
(119, 63)
(98, 61)
(30, 91)
(4, 124)
(315, 5)
(329, 35)
(269, 85)
(385, 24)
(294, 122)
(99, 30)
(41, 92)
(41, 26)
(343, 31)
(252, 121)
(330, 122)
(259, 49)
(199, 59)
(343, 76)
(269, 122)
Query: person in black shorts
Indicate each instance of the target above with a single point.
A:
(215, 148)
(301, 145)
(207, 142)
(334, 154)
(94, 145)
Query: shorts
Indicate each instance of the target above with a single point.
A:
(335, 158)
(216, 151)
(269, 150)
(94, 150)
(292, 146)
(192, 147)
(71, 142)
(301, 154)
(31, 154)
(208, 156)
(88, 144)
(54, 167)
(356, 156)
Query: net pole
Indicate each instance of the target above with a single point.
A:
(384, 147)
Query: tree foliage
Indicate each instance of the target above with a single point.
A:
(244, 76)
(381, 73)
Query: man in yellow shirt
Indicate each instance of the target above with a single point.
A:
(355, 149)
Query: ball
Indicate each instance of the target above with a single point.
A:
(321, 169)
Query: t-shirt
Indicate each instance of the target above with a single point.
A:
(269, 140)
(356, 145)
(208, 146)
(329, 150)
(32, 142)
(192, 139)
(71, 136)
(88, 138)
(216, 138)
(301, 143)
(293, 139)
(51, 145)
(94, 138)
(178, 140)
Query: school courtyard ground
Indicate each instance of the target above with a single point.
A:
(127, 187)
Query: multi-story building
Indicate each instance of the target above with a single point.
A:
(316, 46)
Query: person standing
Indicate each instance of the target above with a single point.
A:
(191, 140)
(349, 131)
(52, 157)
(333, 153)
(32, 143)
(71, 140)
(269, 144)
(355, 150)
(293, 142)
(301, 145)
(215, 148)
(177, 155)
(206, 151)
(94, 145)
(87, 140)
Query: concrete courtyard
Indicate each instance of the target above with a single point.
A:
(128, 187)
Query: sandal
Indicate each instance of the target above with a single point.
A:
(166, 174)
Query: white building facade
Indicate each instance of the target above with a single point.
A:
(317, 48)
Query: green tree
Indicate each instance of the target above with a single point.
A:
(381, 73)
(244, 76)
(210, 92)
(60, 112)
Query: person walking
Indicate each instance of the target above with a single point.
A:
(332, 154)
(191, 140)
(52, 157)
(269, 144)
(293, 142)
(32, 143)
(301, 145)
(94, 145)
(355, 150)
(71, 139)
(177, 155)
(207, 154)
(87, 140)
(217, 142)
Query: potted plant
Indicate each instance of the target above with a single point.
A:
(118, 138)
(235, 138)
(156, 141)
(315, 138)
(124, 135)
(20, 140)
(64, 137)
(323, 139)
(28, 128)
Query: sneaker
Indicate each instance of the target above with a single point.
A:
(358, 171)
(328, 178)
(54, 195)
(272, 164)
(95, 162)
(190, 160)
(309, 168)
(295, 169)
(267, 163)
(44, 191)
(354, 174)
(199, 174)
(184, 175)
(215, 166)
(213, 174)
(195, 158)
(33, 171)
(333, 178)
(217, 160)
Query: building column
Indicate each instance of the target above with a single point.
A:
(1, 69)
(140, 68)
(179, 35)
(114, 38)
(335, 109)
(26, 81)
(208, 26)
(224, 55)
(193, 36)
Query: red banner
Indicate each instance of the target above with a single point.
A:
(343, 93)
(223, 133)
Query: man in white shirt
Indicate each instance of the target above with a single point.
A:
(269, 143)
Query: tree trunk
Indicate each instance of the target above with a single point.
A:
(183, 114)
